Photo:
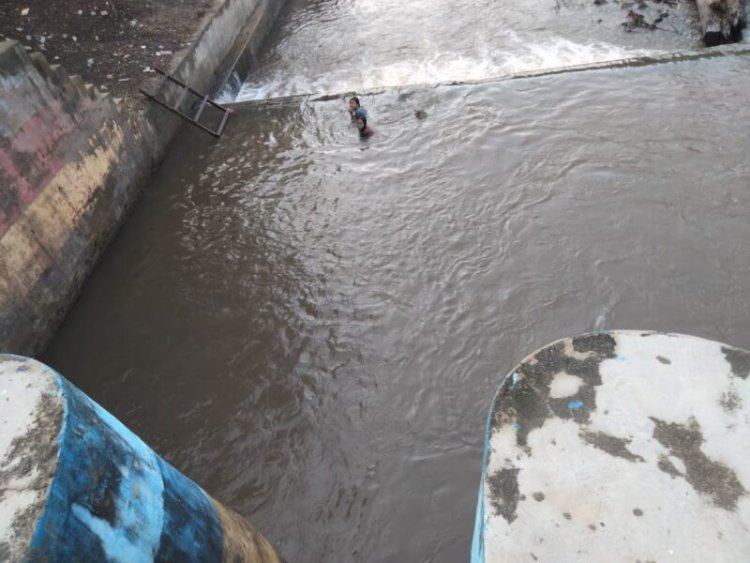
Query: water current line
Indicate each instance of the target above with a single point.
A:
(645, 60)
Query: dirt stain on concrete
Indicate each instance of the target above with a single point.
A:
(504, 493)
(706, 476)
(668, 467)
(524, 398)
(739, 360)
(37, 449)
(730, 401)
(614, 446)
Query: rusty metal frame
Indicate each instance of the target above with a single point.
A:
(184, 89)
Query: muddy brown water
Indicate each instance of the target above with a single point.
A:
(312, 327)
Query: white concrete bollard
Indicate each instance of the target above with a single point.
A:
(621, 446)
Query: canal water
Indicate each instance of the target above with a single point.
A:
(312, 326)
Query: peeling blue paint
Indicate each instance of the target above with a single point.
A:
(575, 405)
(480, 519)
(113, 499)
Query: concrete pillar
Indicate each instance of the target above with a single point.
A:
(620, 446)
(77, 485)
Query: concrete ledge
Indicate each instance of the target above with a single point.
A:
(648, 60)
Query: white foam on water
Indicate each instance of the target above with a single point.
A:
(516, 56)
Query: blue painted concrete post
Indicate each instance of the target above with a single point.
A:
(76, 484)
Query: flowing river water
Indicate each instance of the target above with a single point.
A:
(338, 45)
(312, 327)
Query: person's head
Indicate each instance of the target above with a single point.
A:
(353, 104)
(361, 123)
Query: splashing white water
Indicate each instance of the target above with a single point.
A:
(523, 56)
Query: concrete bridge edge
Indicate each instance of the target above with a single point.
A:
(75, 481)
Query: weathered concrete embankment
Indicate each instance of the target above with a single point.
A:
(73, 160)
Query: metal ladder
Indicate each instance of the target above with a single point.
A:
(182, 92)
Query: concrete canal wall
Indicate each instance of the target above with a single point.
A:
(72, 162)
(75, 484)
(70, 165)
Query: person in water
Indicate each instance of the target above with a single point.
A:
(365, 132)
(355, 109)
